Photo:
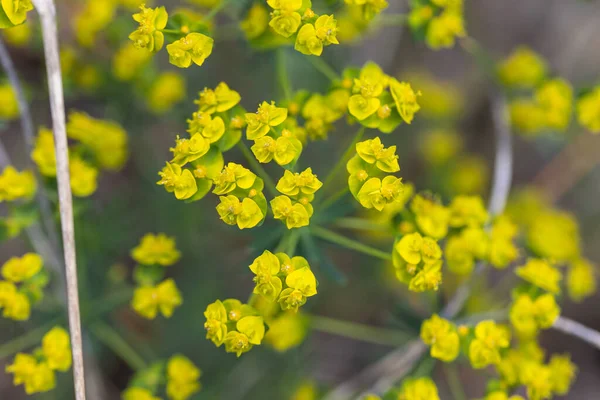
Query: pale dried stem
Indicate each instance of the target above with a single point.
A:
(393, 367)
(577, 330)
(47, 12)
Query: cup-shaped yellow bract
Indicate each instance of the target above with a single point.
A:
(372, 151)
(157, 249)
(179, 181)
(194, 47)
(43, 153)
(148, 35)
(377, 193)
(301, 284)
(188, 150)
(14, 12)
(286, 23)
(232, 177)
(405, 98)
(294, 214)
(222, 98)
(307, 41)
(216, 322)
(442, 336)
(266, 267)
(149, 300)
(541, 274)
(19, 269)
(267, 116)
(292, 184)
(56, 346)
(249, 331)
(245, 213)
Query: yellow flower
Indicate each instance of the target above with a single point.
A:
(581, 280)
(56, 347)
(445, 28)
(43, 152)
(182, 378)
(18, 36)
(467, 211)
(219, 100)
(442, 336)
(37, 376)
(245, 213)
(156, 250)
(22, 368)
(499, 395)
(293, 184)
(555, 97)
(107, 140)
(432, 218)
(14, 12)
(489, 340)
(307, 390)
(250, 331)
(307, 41)
(267, 116)
(554, 235)
(94, 18)
(541, 274)
(538, 379)
(502, 250)
(522, 69)
(527, 116)
(167, 90)
(562, 372)
(216, 320)
(418, 389)
(326, 29)
(588, 111)
(149, 35)
(178, 180)
(188, 150)
(287, 331)
(265, 268)
(195, 47)
(129, 61)
(377, 193)
(440, 146)
(83, 177)
(16, 305)
(459, 255)
(362, 107)
(16, 185)
(9, 107)
(286, 23)
(256, 21)
(135, 393)
(301, 284)
(405, 98)
(373, 152)
(295, 215)
(283, 150)
(19, 269)
(148, 300)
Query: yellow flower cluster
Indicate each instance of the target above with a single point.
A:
(294, 16)
(368, 181)
(443, 338)
(239, 326)
(167, 90)
(439, 22)
(529, 315)
(9, 107)
(18, 36)
(368, 8)
(523, 69)
(15, 185)
(153, 254)
(380, 101)
(588, 111)
(279, 278)
(23, 286)
(179, 375)
(14, 12)
(418, 262)
(489, 339)
(37, 371)
(441, 99)
(191, 47)
(418, 389)
(431, 218)
(93, 19)
(294, 206)
(272, 143)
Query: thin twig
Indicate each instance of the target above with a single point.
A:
(29, 136)
(577, 330)
(47, 12)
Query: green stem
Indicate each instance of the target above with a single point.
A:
(348, 243)
(258, 168)
(360, 224)
(392, 19)
(324, 68)
(331, 200)
(358, 331)
(215, 10)
(113, 340)
(292, 242)
(172, 31)
(453, 379)
(344, 159)
(282, 75)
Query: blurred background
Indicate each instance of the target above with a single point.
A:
(215, 256)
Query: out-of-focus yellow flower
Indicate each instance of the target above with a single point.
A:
(166, 91)
(418, 389)
(555, 97)
(148, 300)
(43, 152)
(554, 235)
(439, 99)
(469, 175)
(489, 340)
(156, 250)
(432, 218)
(15, 304)
(19, 269)
(18, 36)
(442, 336)
(182, 378)
(441, 22)
(128, 62)
(37, 376)
(14, 12)
(541, 274)
(148, 35)
(588, 110)
(83, 177)
(287, 331)
(522, 69)
(256, 21)
(307, 390)
(9, 107)
(527, 315)
(56, 346)
(538, 380)
(195, 47)
(562, 372)
(440, 146)
(527, 116)
(502, 249)
(15, 185)
(581, 280)
(179, 181)
(417, 261)
(368, 9)
(499, 395)
(94, 18)
(467, 211)
(136, 393)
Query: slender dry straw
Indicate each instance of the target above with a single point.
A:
(47, 11)
(577, 330)
(393, 367)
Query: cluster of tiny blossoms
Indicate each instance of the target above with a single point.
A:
(23, 285)
(439, 22)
